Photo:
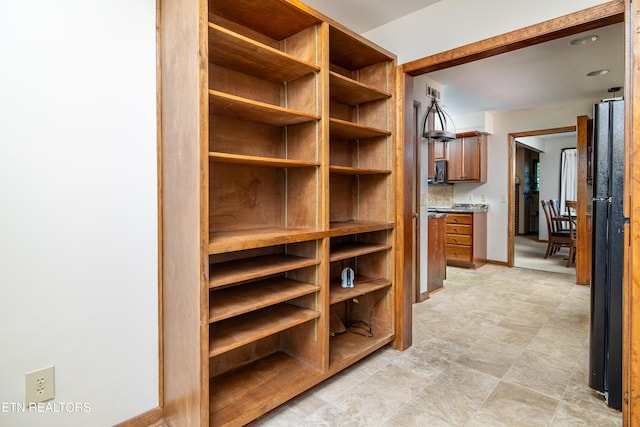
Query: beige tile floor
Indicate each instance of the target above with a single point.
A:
(529, 253)
(496, 347)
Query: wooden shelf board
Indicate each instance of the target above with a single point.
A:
(237, 300)
(352, 131)
(237, 240)
(247, 392)
(352, 92)
(348, 52)
(240, 159)
(348, 348)
(228, 272)
(346, 170)
(362, 285)
(354, 249)
(246, 109)
(273, 18)
(240, 53)
(341, 228)
(236, 332)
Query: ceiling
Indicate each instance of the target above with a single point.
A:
(546, 74)
(364, 15)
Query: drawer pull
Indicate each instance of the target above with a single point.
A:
(455, 240)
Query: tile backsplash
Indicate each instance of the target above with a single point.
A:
(441, 195)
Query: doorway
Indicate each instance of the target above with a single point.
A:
(536, 159)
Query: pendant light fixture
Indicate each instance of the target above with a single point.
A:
(441, 127)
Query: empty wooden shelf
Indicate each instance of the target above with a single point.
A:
(245, 269)
(227, 335)
(248, 56)
(254, 111)
(278, 171)
(234, 301)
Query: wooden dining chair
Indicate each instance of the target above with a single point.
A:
(555, 208)
(558, 236)
(571, 208)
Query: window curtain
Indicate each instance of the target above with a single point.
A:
(568, 176)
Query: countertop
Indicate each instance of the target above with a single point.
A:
(459, 208)
(436, 215)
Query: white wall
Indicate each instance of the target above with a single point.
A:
(78, 208)
(452, 23)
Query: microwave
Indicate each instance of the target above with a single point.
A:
(440, 172)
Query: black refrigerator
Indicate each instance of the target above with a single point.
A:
(605, 346)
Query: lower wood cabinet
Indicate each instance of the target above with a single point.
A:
(437, 250)
(466, 239)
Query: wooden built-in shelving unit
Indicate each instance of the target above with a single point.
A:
(296, 173)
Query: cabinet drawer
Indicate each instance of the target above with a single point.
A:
(459, 253)
(458, 239)
(459, 219)
(458, 229)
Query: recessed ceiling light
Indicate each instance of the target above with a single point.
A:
(583, 40)
(597, 73)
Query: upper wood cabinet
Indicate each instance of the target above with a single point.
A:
(467, 158)
(437, 150)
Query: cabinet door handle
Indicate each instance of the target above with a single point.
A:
(454, 229)
(455, 240)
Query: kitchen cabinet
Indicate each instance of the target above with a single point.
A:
(437, 252)
(467, 158)
(466, 239)
(437, 150)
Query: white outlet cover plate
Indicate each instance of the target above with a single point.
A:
(39, 385)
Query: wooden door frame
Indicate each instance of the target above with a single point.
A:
(417, 208)
(584, 194)
(631, 293)
(598, 16)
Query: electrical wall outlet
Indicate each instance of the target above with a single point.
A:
(470, 197)
(483, 197)
(39, 385)
(423, 199)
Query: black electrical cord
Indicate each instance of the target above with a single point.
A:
(360, 327)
